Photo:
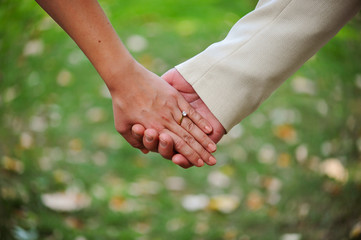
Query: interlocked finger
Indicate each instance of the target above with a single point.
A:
(181, 161)
(165, 147)
(150, 140)
(133, 140)
(207, 145)
(185, 149)
(198, 134)
(137, 136)
(195, 117)
(191, 142)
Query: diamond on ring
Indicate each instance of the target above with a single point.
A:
(184, 114)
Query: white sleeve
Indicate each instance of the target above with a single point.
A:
(234, 76)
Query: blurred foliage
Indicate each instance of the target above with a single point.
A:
(291, 170)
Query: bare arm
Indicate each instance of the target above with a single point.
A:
(138, 95)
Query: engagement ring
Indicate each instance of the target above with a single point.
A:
(184, 114)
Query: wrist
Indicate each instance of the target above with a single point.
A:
(116, 71)
(122, 77)
(116, 74)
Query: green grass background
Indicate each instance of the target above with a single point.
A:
(57, 133)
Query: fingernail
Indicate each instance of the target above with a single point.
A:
(136, 134)
(212, 160)
(212, 147)
(149, 138)
(200, 163)
(208, 129)
(162, 142)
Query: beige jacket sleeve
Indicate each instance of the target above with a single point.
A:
(234, 76)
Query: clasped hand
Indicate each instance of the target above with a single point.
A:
(151, 102)
(139, 97)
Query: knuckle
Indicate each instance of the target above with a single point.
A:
(186, 165)
(166, 117)
(189, 126)
(166, 155)
(137, 145)
(182, 148)
(193, 157)
(196, 117)
(179, 144)
(205, 139)
(121, 129)
(173, 94)
(191, 112)
(205, 155)
(188, 139)
(202, 121)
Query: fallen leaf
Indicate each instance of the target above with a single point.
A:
(224, 203)
(12, 164)
(142, 227)
(201, 227)
(26, 140)
(301, 153)
(74, 222)
(286, 132)
(175, 183)
(64, 78)
(332, 187)
(33, 48)
(267, 154)
(272, 184)
(334, 169)
(291, 236)
(96, 115)
(303, 85)
(38, 124)
(284, 160)
(322, 107)
(195, 202)
(255, 201)
(62, 176)
(355, 231)
(136, 43)
(175, 224)
(218, 179)
(230, 233)
(76, 145)
(117, 203)
(144, 187)
(65, 201)
(303, 210)
(358, 81)
(10, 94)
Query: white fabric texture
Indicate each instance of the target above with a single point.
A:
(264, 48)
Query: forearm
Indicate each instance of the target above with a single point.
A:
(86, 23)
(138, 95)
(261, 51)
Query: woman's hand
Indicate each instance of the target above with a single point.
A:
(148, 100)
(138, 95)
(162, 142)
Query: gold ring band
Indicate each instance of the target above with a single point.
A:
(184, 114)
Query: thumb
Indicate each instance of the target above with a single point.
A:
(169, 76)
(176, 80)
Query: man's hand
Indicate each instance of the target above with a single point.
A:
(164, 143)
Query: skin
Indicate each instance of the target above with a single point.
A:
(138, 95)
(162, 142)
